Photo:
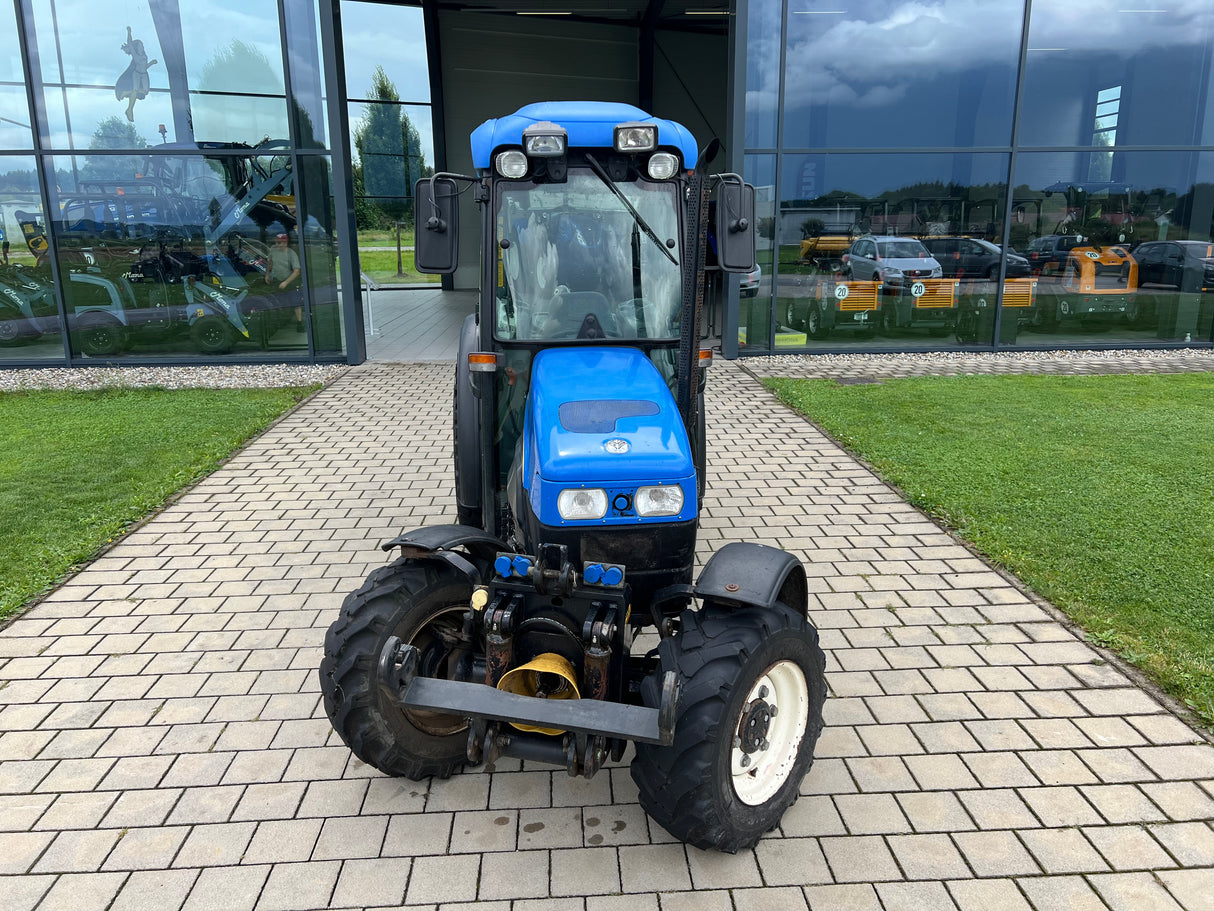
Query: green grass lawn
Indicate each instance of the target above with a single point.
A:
(77, 468)
(381, 266)
(1098, 492)
(384, 237)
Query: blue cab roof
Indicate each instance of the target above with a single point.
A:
(590, 124)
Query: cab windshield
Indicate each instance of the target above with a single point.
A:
(574, 261)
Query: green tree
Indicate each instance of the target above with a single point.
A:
(390, 157)
(813, 227)
(113, 133)
(238, 67)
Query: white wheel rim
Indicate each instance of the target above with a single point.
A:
(758, 775)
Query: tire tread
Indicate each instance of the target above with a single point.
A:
(676, 784)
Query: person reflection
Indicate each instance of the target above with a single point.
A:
(283, 277)
(134, 83)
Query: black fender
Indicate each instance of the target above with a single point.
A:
(437, 542)
(467, 429)
(744, 573)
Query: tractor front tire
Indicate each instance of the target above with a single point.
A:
(735, 765)
(422, 602)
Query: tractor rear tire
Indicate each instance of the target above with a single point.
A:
(414, 600)
(730, 664)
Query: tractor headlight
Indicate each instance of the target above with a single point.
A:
(659, 501)
(511, 163)
(636, 137)
(582, 503)
(544, 140)
(662, 165)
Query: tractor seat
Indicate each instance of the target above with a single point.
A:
(577, 314)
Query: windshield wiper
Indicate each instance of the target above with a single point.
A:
(637, 217)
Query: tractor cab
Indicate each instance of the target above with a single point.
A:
(591, 237)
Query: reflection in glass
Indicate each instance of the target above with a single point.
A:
(1108, 74)
(29, 316)
(754, 308)
(15, 131)
(169, 254)
(320, 254)
(208, 71)
(763, 40)
(902, 247)
(887, 74)
(307, 73)
(1124, 259)
(403, 60)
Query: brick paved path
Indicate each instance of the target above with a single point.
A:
(163, 746)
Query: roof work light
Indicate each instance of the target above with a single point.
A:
(636, 137)
(544, 139)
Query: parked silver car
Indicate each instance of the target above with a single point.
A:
(896, 262)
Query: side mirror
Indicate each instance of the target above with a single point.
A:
(735, 227)
(436, 216)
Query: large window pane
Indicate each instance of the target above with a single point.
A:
(763, 44)
(29, 316)
(1107, 74)
(15, 132)
(390, 154)
(402, 59)
(164, 71)
(888, 73)
(890, 250)
(320, 255)
(392, 145)
(754, 310)
(307, 74)
(177, 254)
(1123, 260)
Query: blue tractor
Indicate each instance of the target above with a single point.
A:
(579, 473)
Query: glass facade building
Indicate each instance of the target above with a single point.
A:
(184, 182)
(986, 172)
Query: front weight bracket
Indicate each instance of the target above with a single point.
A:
(398, 665)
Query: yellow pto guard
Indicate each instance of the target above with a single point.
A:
(549, 676)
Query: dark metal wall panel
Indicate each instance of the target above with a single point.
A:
(494, 64)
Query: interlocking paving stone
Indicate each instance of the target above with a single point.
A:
(162, 742)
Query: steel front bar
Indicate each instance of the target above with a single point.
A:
(398, 664)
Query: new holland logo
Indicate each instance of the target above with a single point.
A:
(617, 447)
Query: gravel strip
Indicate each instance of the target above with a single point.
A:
(1122, 360)
(216, 376)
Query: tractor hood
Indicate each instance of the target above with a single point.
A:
(602, 415)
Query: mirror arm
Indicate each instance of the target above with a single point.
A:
(735, 224)
(435, 222)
